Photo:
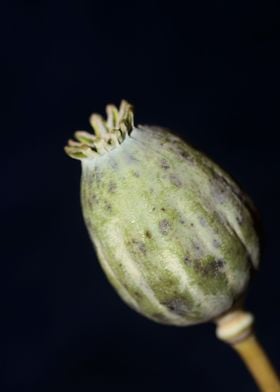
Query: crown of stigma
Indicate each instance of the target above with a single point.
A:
(108, 134)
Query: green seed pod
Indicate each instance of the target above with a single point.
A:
(173, 232)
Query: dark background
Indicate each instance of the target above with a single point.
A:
(210, 71)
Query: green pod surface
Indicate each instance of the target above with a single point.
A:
(173, 232)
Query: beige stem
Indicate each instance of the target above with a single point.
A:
(235, 328)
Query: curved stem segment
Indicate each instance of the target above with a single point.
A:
(235, 328)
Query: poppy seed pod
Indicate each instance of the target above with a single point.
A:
(173, 232)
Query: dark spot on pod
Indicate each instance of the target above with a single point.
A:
(198, 249)
(107, 206)
(210, 269)
(187, 260)
(219, 195)
(163, 209)
(177, 306)
(138, 295)
(98, 176)
(114, 164)
(239, 219)
(191, 224)
(186, 155)
(175, 180)
(135, 173)
(140, 246)
(112, 187)
(164, 226)
(90, 179)
(219, 177)
(148, 234)
(89, 202)
(94, 198)
(219, 263)
(216, 243)
(131, 158)
(227, 184)
(202, 221)
(164, 164)
(214, 267)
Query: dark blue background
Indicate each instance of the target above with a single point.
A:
(210, 71)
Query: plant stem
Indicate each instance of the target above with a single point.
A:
(235, 328)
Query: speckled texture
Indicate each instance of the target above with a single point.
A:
(173, 232)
